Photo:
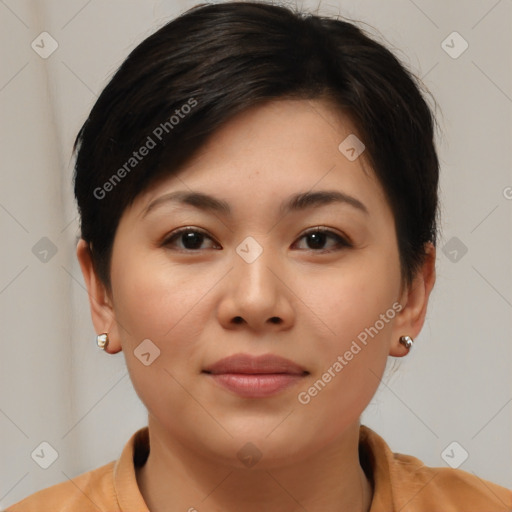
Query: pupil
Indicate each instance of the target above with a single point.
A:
(317, 239)
(193, 239)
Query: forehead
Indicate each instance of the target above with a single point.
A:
(281, 131)
(274, 150)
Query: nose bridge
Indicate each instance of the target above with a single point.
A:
(252, 260)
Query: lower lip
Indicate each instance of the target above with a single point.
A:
(256, 385)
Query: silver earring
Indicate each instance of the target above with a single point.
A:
(102, 340)
(406, 341)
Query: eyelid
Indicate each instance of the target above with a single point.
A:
(328, 231)
(177, 232)
(342, 241)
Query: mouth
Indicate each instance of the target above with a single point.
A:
(255, 376)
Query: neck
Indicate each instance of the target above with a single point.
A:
(175, 478)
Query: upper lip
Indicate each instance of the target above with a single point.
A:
(246, 363)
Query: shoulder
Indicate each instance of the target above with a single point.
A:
(457, 490)
(93, 490)
(112, 487)
(405, 483)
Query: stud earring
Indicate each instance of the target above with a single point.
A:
(102, 340)
(406, 341)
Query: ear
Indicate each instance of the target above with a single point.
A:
(100, 300)
(414, 300)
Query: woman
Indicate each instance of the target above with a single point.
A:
(258, 200)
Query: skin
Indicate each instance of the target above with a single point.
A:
(187, 301)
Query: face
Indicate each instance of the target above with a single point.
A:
(316, 282)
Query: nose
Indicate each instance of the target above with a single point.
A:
(256, 293)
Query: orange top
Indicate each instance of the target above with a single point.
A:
(400, 483)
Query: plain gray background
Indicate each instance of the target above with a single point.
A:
(57, 387)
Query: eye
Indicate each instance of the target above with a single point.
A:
(317, 237)
(191, 238)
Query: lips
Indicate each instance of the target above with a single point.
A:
(255, 376)
(247, 364)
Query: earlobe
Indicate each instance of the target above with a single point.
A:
(102, 311)
(411, 318)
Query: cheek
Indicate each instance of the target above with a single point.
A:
(155, 298)
(350, 363)
(158, 302)
(351, 346)
(351, 298)
(167, 304)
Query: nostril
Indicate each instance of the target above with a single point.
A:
(274, 320)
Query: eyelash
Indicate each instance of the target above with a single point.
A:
(342, 242)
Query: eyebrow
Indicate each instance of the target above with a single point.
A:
(297, 202)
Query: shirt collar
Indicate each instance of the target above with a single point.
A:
(127, 490)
